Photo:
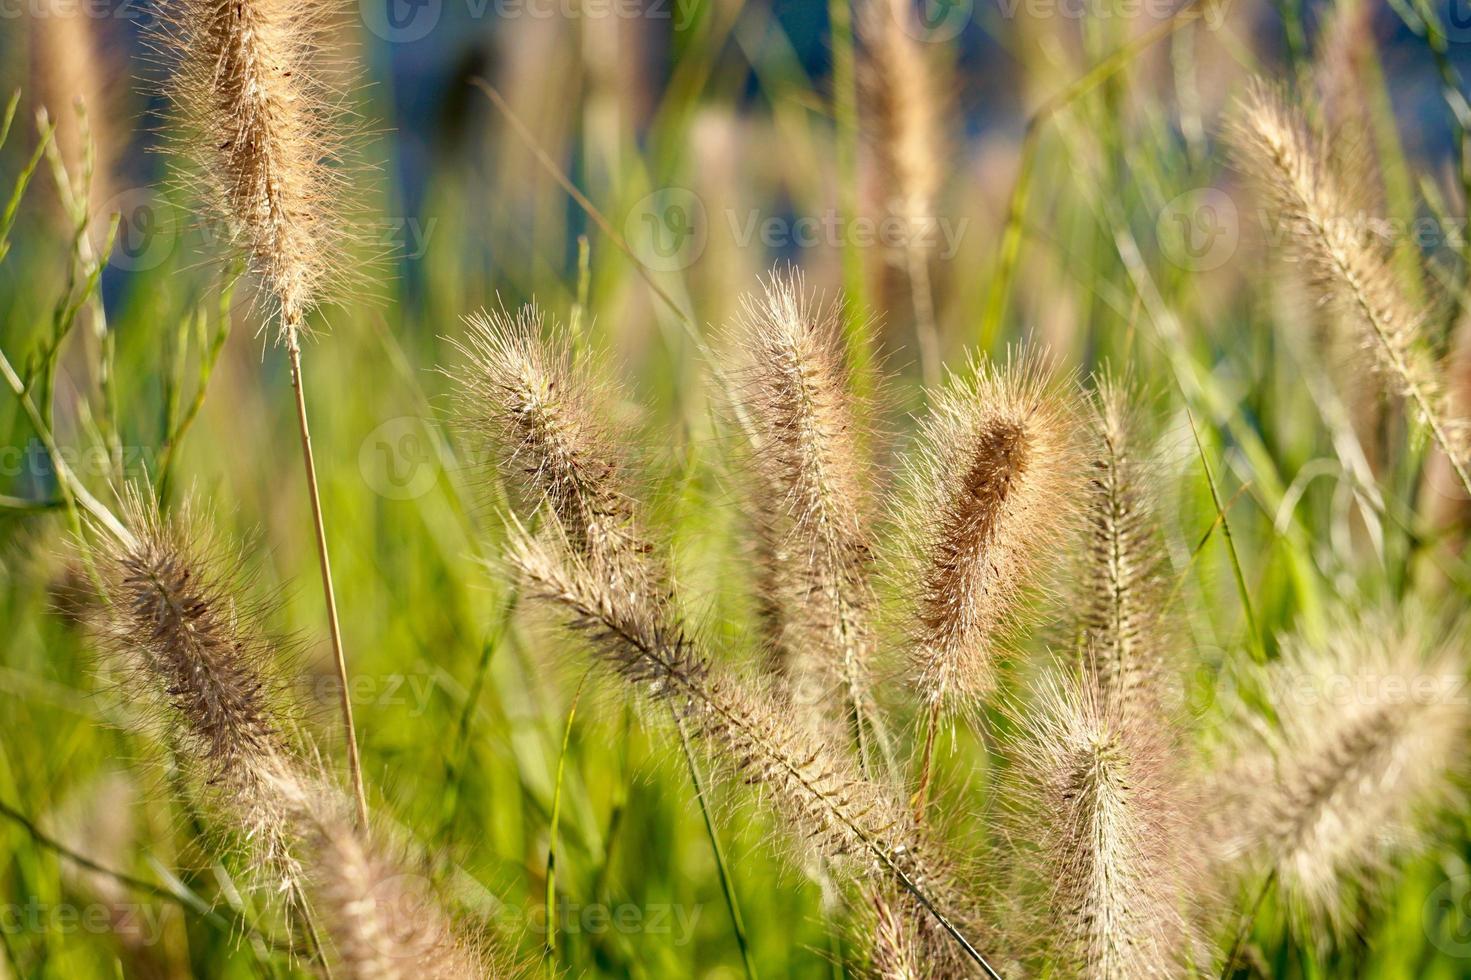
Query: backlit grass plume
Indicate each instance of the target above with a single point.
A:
(1103, 804)
(385, 923)
(1330, 234)
(190, 648)
(542, 417)
(812, 493)
(1366, 748)
(262, 121)
(1121, 618)
(992, 486)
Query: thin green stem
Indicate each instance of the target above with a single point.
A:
(721, 867)
(551, 942)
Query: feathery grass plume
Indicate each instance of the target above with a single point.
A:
(192, 647)
(385, 922)
(1121, 619)
(1289, 161)
(1104, 805)
(847, 820)
(540, 416)
(993, 487)
(266, 134)
(812, 504)
(1367, 746)
(898, 81)
(1344, 61)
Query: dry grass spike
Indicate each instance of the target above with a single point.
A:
(811, 499)
(1331, 235)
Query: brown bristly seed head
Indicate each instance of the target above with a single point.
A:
(810, 500)
(264, 128)
(1103, 806)
(992, 492)
(192, 648)
(897, 76)
(1331, 235)
(1367, 748)
(543, 418)
(1121, 619)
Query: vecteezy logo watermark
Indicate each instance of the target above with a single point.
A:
(935, 21)
(667, 229)
(1199, 230)
(937, 234)
(142, 923)
(412, 692)
(1212, 14)
(397, 459)
(1446, 916)
(401, 21)
(406, 21)
(146, 230)
(596, 918)
(141, 12)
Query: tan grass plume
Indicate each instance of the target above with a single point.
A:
(898, 78)
(1330, 234)
(992, 489)
(1121, 618)
(1367, 747)
(1103, 802)
(190, 646)
(251, 86)
(812, 494)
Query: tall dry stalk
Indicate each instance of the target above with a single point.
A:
(250, 84)
(992, 489)
(1367, 747)
(898, 82)
(1330, 234)
(812, 498)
